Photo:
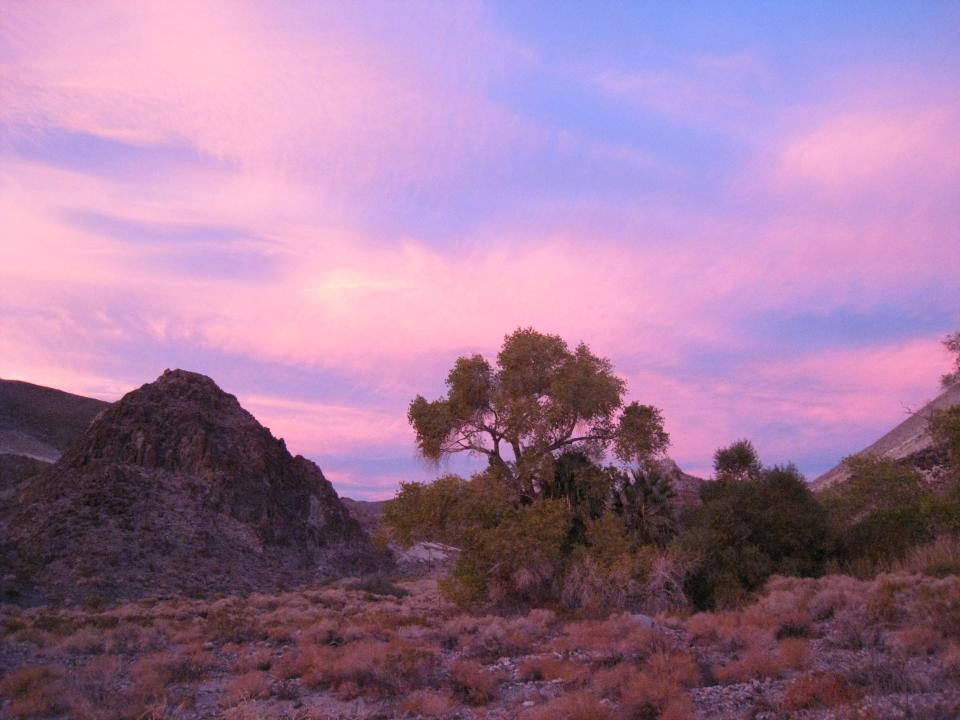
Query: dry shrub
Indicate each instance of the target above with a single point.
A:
(851, 629)
(818, 690)
(649, 696)
(249, 686)
(91, 694)
(86, 641)
(472, 682)
(548, 668)
(152, 674)
(497, 637)
(679, 668)
(428, 703)
(884, 675)
(755, 663)
(233, 624)
(253, 659)
(939, 558)
(580, 705)
(794, 652)
(617, 638)
(32, 691)
(657, 690)
(372, 668)
(916, 640)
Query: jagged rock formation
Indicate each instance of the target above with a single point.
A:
(686, 487)
(175, 489)
(908, 442)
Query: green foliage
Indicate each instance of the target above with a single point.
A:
(644, 501)
(447, 510)
(519, 561)
(874, 484)
(540, 401)
(739, 461)
(952, 343)
(747, 530)
(945, 429)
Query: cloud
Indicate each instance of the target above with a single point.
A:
(853, 150)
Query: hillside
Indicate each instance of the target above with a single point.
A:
(908, 441)
(40, 422)
(175, 489)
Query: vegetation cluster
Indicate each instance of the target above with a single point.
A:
(548, 524)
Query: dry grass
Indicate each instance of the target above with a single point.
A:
(814, 644)
(819, 690)
(473, 682)
(578, 705)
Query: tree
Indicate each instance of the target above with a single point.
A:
(737, 462)
(644, 500)
(541, 400)
(952, 343)
(747, 530)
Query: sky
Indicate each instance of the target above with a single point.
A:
(752, 209)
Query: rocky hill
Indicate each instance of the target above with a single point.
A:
(40, 422)
(175, 489)
(909, 442)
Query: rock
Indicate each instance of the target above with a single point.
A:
(177, 485)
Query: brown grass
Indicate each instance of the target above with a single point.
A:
(248, 686)
(474, 683)
(818, 690)
(580, 705)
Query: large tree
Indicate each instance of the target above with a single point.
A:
(542, 399)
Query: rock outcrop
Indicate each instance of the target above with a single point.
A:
(175, 489)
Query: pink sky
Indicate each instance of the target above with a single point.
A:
(322, 206)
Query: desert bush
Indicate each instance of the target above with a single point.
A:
(153, 673)
(33, 691)
(474, 683)
(748, 530)
(254, 659)
(248, 686)
(427, 703)
(548, 667)
(518, 562)
(945, 430)
(580, 705)
(818, 690)
(611, 640)
(939, 558)
(378, 584)
(371, 668)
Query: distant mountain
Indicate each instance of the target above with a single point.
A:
(40, 422)
(175, 489)
(909, 441)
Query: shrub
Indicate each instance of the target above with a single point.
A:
(748, 530)
(427, 703)
(33, 692)
(472, 682)
(579, 705)
(371, 668)
(818, 690)
(248, 686)
(547, 667)
(518, 562)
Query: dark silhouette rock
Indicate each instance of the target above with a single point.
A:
(176, 489)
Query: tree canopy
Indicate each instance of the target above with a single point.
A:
(952, 343)
(540, 400)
